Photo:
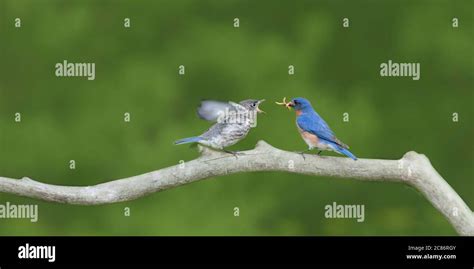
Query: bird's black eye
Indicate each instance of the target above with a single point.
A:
(253, 104)
(296, 102)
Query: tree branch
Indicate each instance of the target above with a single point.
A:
(413, 169)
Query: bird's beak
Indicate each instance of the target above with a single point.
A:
(290, 105)
(258, 109)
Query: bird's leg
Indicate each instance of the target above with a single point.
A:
(319, 152)
(302, 153)
(235, 153)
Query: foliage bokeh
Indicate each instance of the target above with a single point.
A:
(137, 71)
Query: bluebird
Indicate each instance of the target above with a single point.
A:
(314, 130)
(233, 123)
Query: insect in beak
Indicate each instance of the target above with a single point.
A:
(288, 105)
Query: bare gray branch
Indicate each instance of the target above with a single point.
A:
(413, 169)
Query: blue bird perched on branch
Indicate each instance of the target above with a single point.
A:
(233, 123)
(314, 130)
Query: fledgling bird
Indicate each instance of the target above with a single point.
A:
(233, 123)
(314, 130)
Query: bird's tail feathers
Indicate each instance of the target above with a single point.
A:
(187, 140)
(346, 152)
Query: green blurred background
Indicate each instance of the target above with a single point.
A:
(137, 71)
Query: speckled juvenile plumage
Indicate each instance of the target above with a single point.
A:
(222, 135)
(234, 122)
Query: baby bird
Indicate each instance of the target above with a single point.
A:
(233, 123)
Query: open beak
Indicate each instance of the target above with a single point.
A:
(258, 109)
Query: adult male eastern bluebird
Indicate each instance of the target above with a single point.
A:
(314, 130)
(234, 122)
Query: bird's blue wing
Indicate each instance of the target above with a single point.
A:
(314, 124)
